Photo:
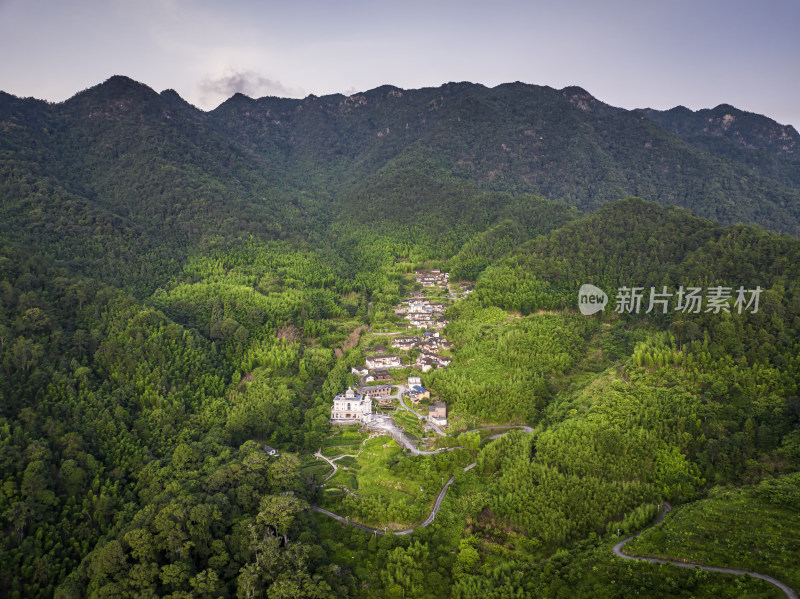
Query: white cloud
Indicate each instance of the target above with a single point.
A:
(249, 83)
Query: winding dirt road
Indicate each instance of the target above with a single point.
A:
(617, 549)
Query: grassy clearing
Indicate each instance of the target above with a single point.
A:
(349, 463)
(317, 469)
(336, 451)
(345, 436)
(344, 441)
(393, 489)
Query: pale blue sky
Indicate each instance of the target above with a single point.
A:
(628, 53)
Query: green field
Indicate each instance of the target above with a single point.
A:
(346, 440)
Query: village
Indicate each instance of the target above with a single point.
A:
(381, 393)
(362, 476)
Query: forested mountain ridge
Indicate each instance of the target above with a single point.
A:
(751, 139)
(562, 144)
(274, 165)
(745, 129)
(635, 243)
(139, 176)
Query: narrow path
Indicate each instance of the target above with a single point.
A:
(438, 503)
(527, 429)
(319, 455)
(332, 462)
(316, 508)
(617, 549)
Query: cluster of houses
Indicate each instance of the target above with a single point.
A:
(377, 367)
(429, 344)
(356, 406)
(428, 361)
(422, 313)
(370, 376)
(383, 361)
(432, 278)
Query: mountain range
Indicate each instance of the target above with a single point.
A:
(122, 162)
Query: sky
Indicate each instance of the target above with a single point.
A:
(628, 53)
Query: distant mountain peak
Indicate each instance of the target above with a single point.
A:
(725, 108)
(174, 101)
(112, 98)
(576, 90)
(120, 84)
(744, 129)
(579, 97)
(384, 91)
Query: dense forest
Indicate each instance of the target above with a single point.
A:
(179, 289)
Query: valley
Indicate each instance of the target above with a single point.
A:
(193, 304)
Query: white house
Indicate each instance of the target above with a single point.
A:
(426, 362)
(351, 407)
(404, 343)
(383, 362)
(438, 413)
(442, 361)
